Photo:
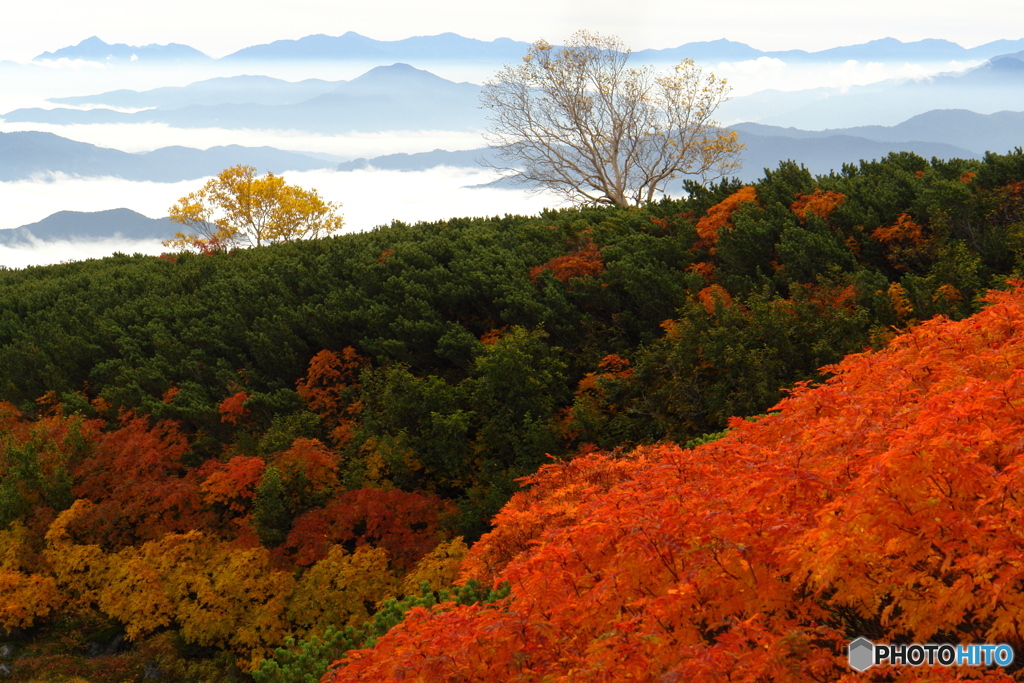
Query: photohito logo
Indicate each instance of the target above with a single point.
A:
(864, 654)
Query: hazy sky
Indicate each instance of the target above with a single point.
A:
(218, 27)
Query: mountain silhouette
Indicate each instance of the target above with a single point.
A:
(24, 155)
(91, 225)
(95, 50)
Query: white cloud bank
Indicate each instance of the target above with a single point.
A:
(146, 137)
(369, 198)
(769, 73)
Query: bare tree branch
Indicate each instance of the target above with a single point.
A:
(578, 122)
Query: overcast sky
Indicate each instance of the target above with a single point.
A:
(219, 27)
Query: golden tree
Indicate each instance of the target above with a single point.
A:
(239, 208)
(578, 121)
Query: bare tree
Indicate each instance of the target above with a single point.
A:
(577, 121)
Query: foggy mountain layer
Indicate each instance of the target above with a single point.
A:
(401, 97)
(453, 47)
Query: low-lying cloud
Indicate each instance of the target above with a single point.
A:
(146, 137)
(769, 73)
(369, 197)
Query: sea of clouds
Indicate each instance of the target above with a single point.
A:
(369, 197)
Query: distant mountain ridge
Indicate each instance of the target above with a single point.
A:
(353, 46)
(402, 97)
(943, 134)
(91, 225)
(221, 90)
(27, 154)
(453, 47)
(978, 133)
(395, 97)
(95, 50)
(996, 85)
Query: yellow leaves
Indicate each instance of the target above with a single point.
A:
(12, 546)
(337, 589)
(439, 567)
(25, 598)
(900, 303)
(80, 570)
(133, 593)
(239, 208)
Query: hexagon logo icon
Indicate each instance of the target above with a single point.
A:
(862, 654)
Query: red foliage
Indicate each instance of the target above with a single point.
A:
(1010, 199)
(232, 484)
(310, 460)
(139, 485)
(407, 525)
(887, 499)
(232, 409)
(582, 263)
(615, 365)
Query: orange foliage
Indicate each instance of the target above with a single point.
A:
(233, 484)
(704, 269)
(491, 336)
(310, 460)
(820, 202)
(551, 500)
(584, 262)
(1011, 202)
(719, 216)
(904, 230)
(714, 295)
(232, 409)
(407, 525)
(615, 365)
(27, 598)
(905, 240)
(329, 389)
(948, 293)
(885, 502)
(10, 416)
(829, 297)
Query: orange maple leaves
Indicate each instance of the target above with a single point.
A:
(820, 202)
(719, 216)
(585, 261)
(887, 499)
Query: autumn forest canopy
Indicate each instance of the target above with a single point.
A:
(531, 448)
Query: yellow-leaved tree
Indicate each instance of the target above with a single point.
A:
(239, 208)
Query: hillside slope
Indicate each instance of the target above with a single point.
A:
(883, 503)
